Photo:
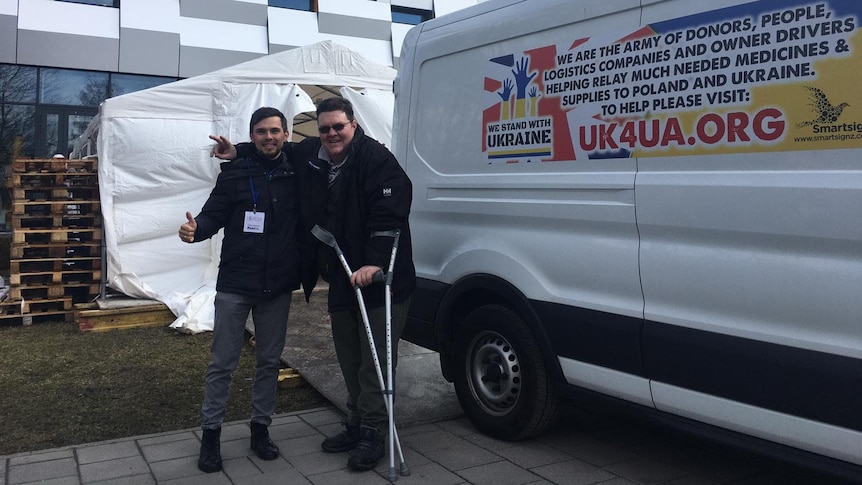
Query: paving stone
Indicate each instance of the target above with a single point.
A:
(573, 472)
(133, 480)
(186, 466)
(324, 416)
(317, 463)
(167, 438)
(532, 454)
(108, 451)
(171, 450)
(646, 470)
(240, 467)
(291, 430)
(282, 477)
(348, 477)
(489, 443)
(430, 473)
(429, 441)
(303, 445)
(204, 479)
(271, 466)
(282, 419)
(120, 467)
(456, 453)
(458, 426)
(42, 470)
(499, 473)
(60, 481)
(40, 456)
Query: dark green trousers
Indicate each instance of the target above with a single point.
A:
(365, 402)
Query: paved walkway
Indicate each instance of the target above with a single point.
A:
(584, 449)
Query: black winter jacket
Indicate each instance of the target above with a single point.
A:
(254, 264)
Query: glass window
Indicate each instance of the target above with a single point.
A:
(412, 16)
(52, 135)
(17, 127)
(77, 125)
(17, 84)
(129, 83)
(307, 5)
(75, 88)
(106, 3)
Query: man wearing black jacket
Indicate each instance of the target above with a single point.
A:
(255, 200)
(353, 186)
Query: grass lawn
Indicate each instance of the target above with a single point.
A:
(60, 386)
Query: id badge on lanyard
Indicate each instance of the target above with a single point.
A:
(254, 220)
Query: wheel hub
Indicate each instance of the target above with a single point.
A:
(495, 373)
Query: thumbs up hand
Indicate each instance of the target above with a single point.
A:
(187, 230)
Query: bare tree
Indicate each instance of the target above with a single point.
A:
(17, 84)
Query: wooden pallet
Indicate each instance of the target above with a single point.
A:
(90, 165)
(44, 207)
(289, 378)
(53, 265)
(29, 319)
(34, 194)
(96, 320)
(55, 250)
(24, 307)
(78, 292)
(53, 179)
(52, 221)
(69, 236)
(54, 278)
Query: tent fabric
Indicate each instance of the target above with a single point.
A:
(155, 164)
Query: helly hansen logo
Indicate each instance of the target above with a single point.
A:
(387, 192)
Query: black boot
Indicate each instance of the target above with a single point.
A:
(368, 452)
(260, 442)
(210, 458)
(343, 441)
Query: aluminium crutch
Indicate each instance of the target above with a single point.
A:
(327, 238)
(390, 388)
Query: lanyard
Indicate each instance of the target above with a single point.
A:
(256, 193)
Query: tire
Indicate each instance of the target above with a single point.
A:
(500, 377)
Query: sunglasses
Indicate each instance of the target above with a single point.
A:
(337, 127)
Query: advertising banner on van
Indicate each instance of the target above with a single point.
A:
(771, 75)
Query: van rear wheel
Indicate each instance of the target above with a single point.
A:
(500, 377)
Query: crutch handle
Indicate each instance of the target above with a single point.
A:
(379, 277)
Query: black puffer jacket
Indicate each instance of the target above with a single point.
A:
(375, 195)
(254, 264)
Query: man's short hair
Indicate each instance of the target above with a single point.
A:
(264, 113)
(336, 103)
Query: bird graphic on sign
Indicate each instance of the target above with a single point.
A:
(826, 112)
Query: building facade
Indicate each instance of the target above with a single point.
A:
(59, 59)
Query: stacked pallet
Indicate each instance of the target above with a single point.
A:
(55, 258)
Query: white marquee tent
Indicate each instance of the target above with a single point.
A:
(155, 164)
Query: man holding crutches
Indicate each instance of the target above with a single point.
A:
(353, 186)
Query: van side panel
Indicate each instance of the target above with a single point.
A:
(674, 193)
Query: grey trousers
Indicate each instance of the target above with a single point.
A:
(365, 402)
(270, 327)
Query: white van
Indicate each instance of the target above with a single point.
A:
(646, 200)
